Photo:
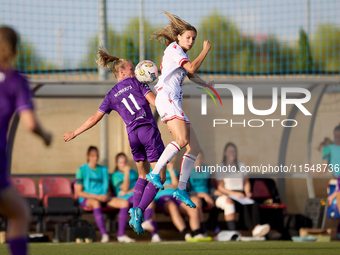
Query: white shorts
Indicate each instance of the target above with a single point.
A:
(169, 106)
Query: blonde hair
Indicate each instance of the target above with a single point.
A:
(104, 58)
(175, 27)
(8, 45)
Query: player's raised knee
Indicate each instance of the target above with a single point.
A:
(182, 141)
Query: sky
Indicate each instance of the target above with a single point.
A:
(60, 30)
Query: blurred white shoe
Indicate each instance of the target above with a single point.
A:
(187, 236)
(155, 238)
(199, 236)
(147, 225)
(105, 238)
(261, 230)
(125, 239)
(226, 235)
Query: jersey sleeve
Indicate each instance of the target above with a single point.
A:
(106, 106)
(79, 176)
(144, 88)
(23, 100)
(116, 180)
(177, 54)
(326, 153)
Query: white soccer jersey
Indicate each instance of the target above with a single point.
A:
(173, 73)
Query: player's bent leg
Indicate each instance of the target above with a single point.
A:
(178, 130)
(93, 203)
(193, 214)
(143, 168)
(162, 173)
(98, 217)
(17, 211)
(193, 146)
(118, 203)
(189, 158)
(172, 208)
(195, 224)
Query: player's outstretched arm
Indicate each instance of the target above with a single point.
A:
(198, 80)
(192, 67)
(151, 98)
(90, 122)
(31, 123)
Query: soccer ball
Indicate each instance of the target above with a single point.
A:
(146, 71)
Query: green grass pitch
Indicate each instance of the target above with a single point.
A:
(268, 247)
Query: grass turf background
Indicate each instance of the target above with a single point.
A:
(268, 247)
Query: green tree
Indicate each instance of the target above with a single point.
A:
(326, 47)
(117, 44)
(28, 59)
(304, 60)
(153, 49)
(226, 43)
(270, 56)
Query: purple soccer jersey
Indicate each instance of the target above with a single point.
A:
(15, 95)
(128, 99)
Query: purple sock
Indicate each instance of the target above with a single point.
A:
(122, 220)
(99, 218)
(148, 195)
(138, 191)
(147, 216)
(154, 224)
(18, 246)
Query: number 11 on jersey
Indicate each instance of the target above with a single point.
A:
(133, 100)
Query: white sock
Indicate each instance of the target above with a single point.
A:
(186, 167)
(168, 154)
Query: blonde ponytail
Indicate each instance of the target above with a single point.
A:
(104, 58)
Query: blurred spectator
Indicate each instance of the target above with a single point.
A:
(331, 156)
(325, 142)
(124, 180)
(176, 208)
(237, 184)
(201, 185)
(92, 189)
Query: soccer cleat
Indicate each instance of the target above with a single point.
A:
(199, 238)
(156, 239)
(136, 220)
(155, 179)
(125, 239)
(147, 225)
(261, 230)
(105, 238)
(183, 195)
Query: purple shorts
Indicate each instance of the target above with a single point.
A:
(164, 199)
(83, 203)
(4, 183)
(146, 143)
